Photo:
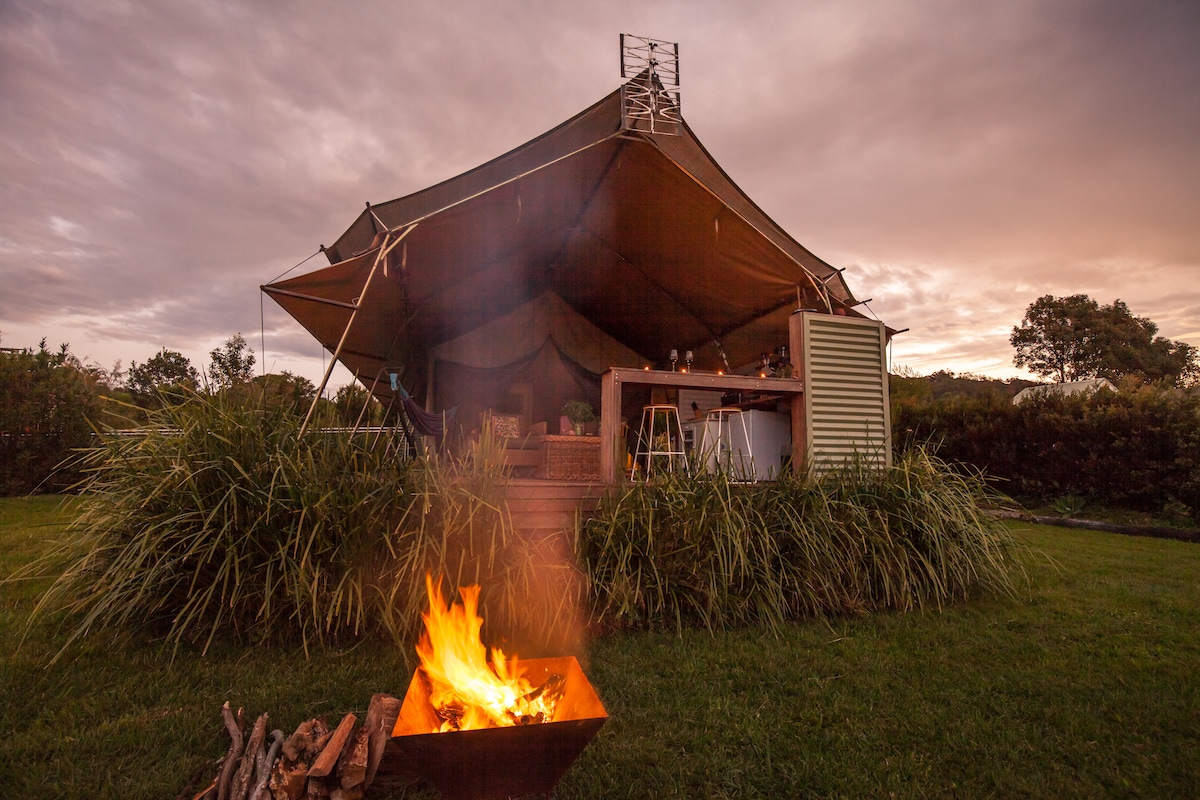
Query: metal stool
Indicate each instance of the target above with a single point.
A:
(659, 436)
(723, 454)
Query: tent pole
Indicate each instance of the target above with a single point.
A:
(367, 404)
(384, 249)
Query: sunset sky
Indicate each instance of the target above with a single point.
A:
(161, 160)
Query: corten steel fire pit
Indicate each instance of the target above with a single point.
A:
(501, 762)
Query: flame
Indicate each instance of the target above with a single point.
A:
(467, 691)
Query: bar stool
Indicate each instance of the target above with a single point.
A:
(723, 452)
(660, 435)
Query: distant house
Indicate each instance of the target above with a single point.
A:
(1067, 388)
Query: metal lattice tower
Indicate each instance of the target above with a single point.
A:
(651, 95)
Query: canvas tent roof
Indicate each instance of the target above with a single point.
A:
(642, 235)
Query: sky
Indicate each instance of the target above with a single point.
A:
(959, 159)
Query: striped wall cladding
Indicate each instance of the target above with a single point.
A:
(846, 391)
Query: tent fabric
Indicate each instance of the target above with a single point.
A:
(527, 329)
(642, 235)
(478, 390)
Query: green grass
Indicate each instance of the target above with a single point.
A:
(1088, 687)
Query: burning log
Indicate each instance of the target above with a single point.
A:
(502, 761)
(476, 727)
(468, 690)
(547, 696)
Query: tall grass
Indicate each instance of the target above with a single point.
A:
(457, 526)
(712, 552)
(222, 523)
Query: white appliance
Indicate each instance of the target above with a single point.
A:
(756, 453)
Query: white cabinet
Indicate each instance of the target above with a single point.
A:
(755, 452)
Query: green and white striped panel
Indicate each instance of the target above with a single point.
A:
(846, 391)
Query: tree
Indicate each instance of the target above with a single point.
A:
(166, 375)
(1073, 338)
(349, 402)
(46, 401)
(282, 389)
(1053, 338)
(232, 363)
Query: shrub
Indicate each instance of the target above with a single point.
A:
(1137, 448)
(46, 400)
(221, 523)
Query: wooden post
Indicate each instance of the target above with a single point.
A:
(799, 402)
(610, 427)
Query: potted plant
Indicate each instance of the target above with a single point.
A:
(579, 413)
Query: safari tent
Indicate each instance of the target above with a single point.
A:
(605, 243)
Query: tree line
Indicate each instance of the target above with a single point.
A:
(52, 402)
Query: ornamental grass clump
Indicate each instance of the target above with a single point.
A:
(219, 522)
(713, 552)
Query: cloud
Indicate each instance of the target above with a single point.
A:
(162, 160)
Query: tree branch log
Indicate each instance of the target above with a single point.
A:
(240, 787)
(234, 726)
(328, 758)
(263, 767)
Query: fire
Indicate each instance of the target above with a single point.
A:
(467, 691)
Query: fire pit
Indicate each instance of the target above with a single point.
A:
(475, 728)
(501, 762)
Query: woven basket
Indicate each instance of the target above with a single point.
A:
(569, 458)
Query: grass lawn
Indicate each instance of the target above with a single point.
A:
(1090, 688)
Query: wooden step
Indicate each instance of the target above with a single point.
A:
(546, 520)
(545, 506)
(563, 504)
(533, 488)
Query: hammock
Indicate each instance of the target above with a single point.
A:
(426, 423)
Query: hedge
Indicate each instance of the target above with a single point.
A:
(1137, 448)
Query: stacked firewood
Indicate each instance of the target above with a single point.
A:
(315, 761)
